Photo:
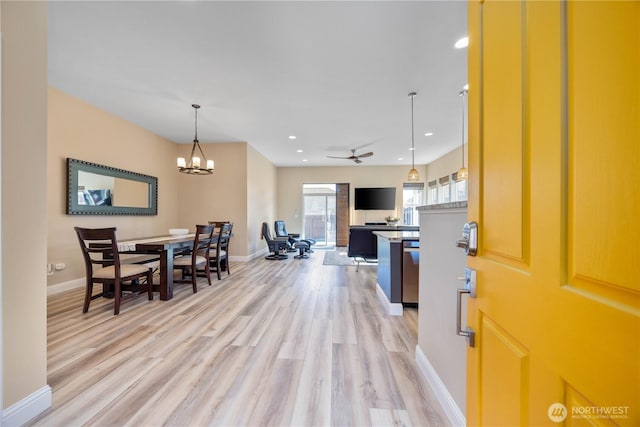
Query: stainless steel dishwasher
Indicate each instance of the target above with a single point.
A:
(410, 269)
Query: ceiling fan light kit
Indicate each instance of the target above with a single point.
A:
(193, 167)
(413, 176)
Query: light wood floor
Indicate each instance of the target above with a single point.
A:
(276, 343)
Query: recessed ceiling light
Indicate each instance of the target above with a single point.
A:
(292, 137)
(466, 87)
(428, 134)
(400, 158)
(305, 160)
(412, 148)
(298, 151)
(463, 42)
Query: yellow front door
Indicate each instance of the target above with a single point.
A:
(554, 159)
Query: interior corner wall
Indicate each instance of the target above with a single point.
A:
(291, 180)
(262, 178)
(82, 131)
(447, 164)
(218, 197)
(24, 199)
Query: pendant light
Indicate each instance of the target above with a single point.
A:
(463, 173)
(193, 168)
(413, 173)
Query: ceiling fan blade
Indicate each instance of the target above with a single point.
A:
(369, 154)
(357, 160)
(335, 157)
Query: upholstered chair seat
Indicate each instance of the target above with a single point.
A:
(186, 260)
(125, 270)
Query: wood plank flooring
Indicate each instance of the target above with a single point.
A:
(277, 343)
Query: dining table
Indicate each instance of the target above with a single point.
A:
(165, 248)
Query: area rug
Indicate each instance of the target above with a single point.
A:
(339, 257)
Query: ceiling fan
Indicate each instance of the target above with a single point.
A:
(354, 157)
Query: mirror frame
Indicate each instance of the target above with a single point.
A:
(73, 208)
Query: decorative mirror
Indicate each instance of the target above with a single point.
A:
(94, 189)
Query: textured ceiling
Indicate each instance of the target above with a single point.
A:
(334, 74)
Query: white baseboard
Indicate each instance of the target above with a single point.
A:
(66, 286)
(393, 308)
(451, 409)
(28, 408)
(80, 282)
(250, 257)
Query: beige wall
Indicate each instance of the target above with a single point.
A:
(24, 199)
(81, 131)
(290, 182)
(218, 197)
(262, 177)
(447, 164)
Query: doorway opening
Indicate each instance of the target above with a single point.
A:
(319, 214)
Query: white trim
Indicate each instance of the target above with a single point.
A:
(394, 308)
(451, 409)
(1, 315)
(250, 257)
(65, 286)
(29, 407)
(80, 282)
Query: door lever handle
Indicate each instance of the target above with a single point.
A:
(469, 241)
(470, 288)
(462, 243)
(468, 333)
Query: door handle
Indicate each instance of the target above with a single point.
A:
(469, 240)
(470, 289)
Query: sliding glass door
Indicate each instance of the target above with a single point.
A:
(319, 218)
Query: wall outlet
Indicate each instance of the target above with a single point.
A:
(50, 269)
(60, 266)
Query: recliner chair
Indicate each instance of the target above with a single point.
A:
(293, 238)
(276, 245)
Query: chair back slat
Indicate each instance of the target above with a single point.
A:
(203, 238)
(99, 247)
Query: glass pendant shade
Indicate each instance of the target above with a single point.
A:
(413, 175)
(463, 173)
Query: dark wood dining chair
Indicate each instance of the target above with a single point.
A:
(199, 257)
(102, 263)
(218, 224)
(219, 258)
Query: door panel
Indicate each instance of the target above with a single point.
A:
(554, 155)
(506, 369)
(599, 115)
(503, 122)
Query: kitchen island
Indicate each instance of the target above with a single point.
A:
(395, 249)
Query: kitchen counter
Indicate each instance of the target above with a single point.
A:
(391, 248)
(399, 236)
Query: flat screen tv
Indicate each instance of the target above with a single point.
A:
(368, 199)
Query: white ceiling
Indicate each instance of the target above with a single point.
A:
(334, 74)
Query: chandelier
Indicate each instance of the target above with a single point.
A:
(193, 167)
